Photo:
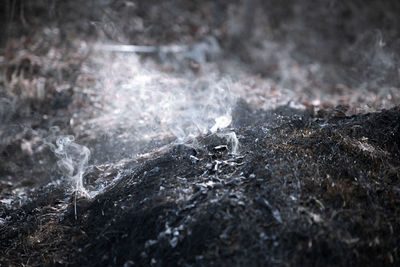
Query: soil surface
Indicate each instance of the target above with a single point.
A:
(249, 135)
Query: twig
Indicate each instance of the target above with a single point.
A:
(76, 216)
(142, 49)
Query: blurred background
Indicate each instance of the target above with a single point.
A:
(353, 42)
(124, 77)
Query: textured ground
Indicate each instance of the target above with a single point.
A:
(313, 179)
(300, 191)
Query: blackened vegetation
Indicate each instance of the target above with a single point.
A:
(302, 191)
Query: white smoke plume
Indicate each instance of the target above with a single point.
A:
(72, 160)
(140, 103)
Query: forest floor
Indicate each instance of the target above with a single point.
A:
(303, 168)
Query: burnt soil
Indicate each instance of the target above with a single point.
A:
(301, 191)
(311, 184)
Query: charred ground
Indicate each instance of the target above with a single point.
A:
(312, 182)
(309, 191)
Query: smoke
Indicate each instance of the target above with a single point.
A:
(140, 103)
(140, 106)
(315, 46)
(304, 51)
(72, 159)
(373, 61)
(232, 139)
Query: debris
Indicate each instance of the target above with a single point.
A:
(174, 241)
(205, 149)
(221, 147)
(194, 159)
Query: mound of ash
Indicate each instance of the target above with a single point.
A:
(301, 190)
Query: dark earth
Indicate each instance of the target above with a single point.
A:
(312, 183)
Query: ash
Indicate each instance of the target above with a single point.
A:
(217, 133)
(300, 190)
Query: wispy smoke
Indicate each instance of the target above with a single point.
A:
(73, 159)
(141, 104)
(232, 139)
(373, 60)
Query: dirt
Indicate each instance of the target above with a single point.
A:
(314, 179)
(326, 195)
